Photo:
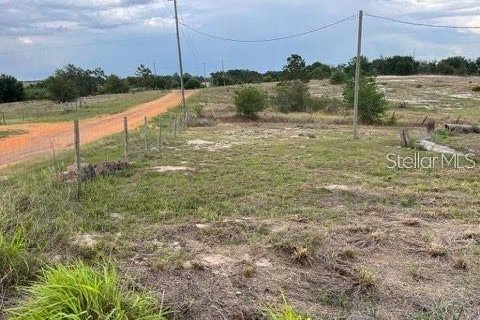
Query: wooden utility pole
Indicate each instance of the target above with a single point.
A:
(180, 61)
(357, 75)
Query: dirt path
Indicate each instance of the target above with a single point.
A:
(42, 137)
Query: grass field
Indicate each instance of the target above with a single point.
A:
(250, 211)
(48, 111)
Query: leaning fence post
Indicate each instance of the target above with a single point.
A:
(125, 139)
(76, 130)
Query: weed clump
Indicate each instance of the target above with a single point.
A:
(476, 89)
(286, 312)
(16, 263)
(82, 292)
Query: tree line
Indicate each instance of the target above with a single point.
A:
(71, 82)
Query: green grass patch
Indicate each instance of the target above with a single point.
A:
(80, 292)
(9, 133)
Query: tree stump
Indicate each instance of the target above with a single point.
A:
(430, 125)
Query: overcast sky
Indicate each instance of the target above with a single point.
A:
(39, 36)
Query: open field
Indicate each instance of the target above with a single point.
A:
(222, 221)
(48, 111)
(443, 98)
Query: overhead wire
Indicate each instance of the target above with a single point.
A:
(420, 24)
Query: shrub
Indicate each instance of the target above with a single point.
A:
(61, 89)
(476, 89)
(193, 83)
(337, 77)
(372, 104)
(250, 100)
(11, 90)
(113, 84)
(15, 261)
(326, 104)
(81, 292)
(292, 96)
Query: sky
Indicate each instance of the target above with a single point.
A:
(39, 36)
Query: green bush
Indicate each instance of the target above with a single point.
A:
(114, 84)
(338, 77)
(80, 292)
(249, 101)
(61, 89)
(293, 96)
(15, 261)
(326, 104)
(193, 83)
(476, 89)
(371, 105)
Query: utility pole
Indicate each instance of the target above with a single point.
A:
(180, 62)
(155, 68)
(357, 75)
(223, 68)
(205, 73)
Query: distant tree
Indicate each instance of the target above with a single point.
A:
(249, 101)
(396, 65)
(457, 66)
(86, 82)
(61, 89)
(366, 67)
(295, 69)
(218, 79)
(193, 83)
(338, 77)
(372, 104)
(114, 84)
(144, 77)
(319, 71)
(11, 89)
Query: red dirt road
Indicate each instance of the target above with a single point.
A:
(41, 137)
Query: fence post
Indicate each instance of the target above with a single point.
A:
(3, 117)
(125, 139)
(175, 127)
(170, 128)
(160, 134)
(145, 136)
(76, 130)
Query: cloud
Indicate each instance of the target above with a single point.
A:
(26, 40)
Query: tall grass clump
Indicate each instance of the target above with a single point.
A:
(15, 260)
(80, 292)
(286, 312)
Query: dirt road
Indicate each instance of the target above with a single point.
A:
(41, 138)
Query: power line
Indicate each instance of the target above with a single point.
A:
(421, 24)
(85, 44)
(296, 35)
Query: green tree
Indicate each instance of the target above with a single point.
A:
(193, 83)
(292, 96)
(371, 104)
(61, 89)
(295, 69)
(114, 84)
(11, 89)
(249, 101)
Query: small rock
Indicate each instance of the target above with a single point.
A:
(165, 169)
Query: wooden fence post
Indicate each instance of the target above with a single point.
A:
(76, 131)
(145, 136)
(125, 139)
(3, 117)
(160, 134)
(175, 127)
